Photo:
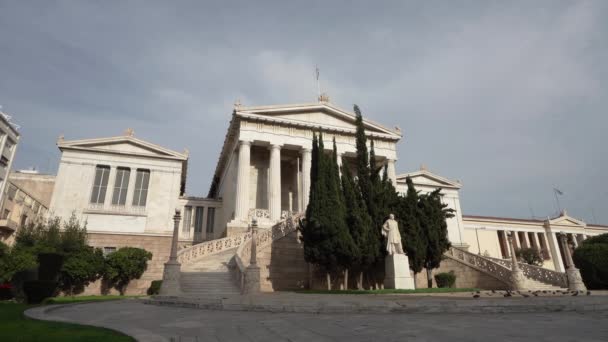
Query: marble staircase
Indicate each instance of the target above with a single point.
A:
(209, 276)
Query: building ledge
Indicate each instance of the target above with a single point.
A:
(116, 210)
(8, 224)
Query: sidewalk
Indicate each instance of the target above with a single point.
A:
(487, 302)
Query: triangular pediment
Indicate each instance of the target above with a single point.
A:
(426, 178)
(566, 220)
(128, 145)
(318, 114)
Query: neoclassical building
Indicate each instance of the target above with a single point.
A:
(127, 190)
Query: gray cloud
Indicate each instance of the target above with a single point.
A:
(508, 97)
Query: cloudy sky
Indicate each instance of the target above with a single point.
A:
(509, 97)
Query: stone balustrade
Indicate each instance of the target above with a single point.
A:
(265, 237)
(541, 274)
(483, 264)
(194, 252)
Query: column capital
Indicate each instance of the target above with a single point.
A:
(245, 142)
(273, 146)
(306, 149)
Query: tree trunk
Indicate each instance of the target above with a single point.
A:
(360, 281)
(328, 282)
(429, 277)
(346, 279)
(415, 280)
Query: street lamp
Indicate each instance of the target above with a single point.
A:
(477, 236)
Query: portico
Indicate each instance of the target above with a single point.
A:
(264, 168)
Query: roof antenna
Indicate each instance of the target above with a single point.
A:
(317, 72)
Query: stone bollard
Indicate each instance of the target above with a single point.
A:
(172, 272)
(252, 273)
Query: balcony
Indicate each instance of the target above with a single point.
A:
(9, 225)
(112, 209)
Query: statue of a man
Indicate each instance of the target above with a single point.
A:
(390, 229)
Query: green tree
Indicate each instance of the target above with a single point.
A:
(13, 261)
(412, 236)
(124, 265)
(591, 258)
(433, 221)
(81, 268)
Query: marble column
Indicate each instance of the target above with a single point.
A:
(555, 254)
(306, 159)
(390, 170)
(274, 183)
(242, 182)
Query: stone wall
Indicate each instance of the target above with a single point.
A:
(283, 268)
(159, 246)
(466, 277)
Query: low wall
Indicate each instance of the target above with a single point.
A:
(159, 246)
(466, 277)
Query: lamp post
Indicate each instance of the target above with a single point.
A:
(252, 272)
(477, 236)
(575, 281)
(517, 275)
(172, 272)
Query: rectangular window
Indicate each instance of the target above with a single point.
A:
(108, 250)
(23, 220)
(198, 220)
(210, 220)
(121, 185)
(6, 214)
(141, 187)
(100, 184)
(187, 219)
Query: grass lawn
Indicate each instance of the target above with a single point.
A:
(390, 291)
(14, 326)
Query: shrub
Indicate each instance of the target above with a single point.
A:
(49, 265)
(124, 265)
(530, 256)
(81, 268)
(445, 279)
(14, 262)
(37, 290)
(591, 258)
(154, 288)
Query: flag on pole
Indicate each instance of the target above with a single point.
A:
(558, 191)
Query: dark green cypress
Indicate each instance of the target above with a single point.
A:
(434, 226)
(413, 238)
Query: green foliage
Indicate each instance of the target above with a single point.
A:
(49, 265)
(13, 261)
(124, 265)
(530, 256)
(37, 290)
(82, 267)
(154, 288)
(327, 242)
(412, 235)
(445, 279)
(591, 258)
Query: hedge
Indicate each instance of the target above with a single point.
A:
(37, 290)
(592, 260)
(154, 288)
(446, 279)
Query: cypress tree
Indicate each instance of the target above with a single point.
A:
(433, 222)
(413, 238)
(363, 171)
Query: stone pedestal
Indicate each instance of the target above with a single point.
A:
(397, 272)
(575, 281)
(518, 279)
(171, 279)
(252, 280)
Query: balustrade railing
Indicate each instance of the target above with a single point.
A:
(265, 237)
(495, 269)
(211, 247)
(537, 273)
(259, 214)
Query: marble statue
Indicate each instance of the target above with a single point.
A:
(390, 229)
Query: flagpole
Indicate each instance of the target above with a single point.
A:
(559, 208)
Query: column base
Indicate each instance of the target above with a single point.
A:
(575, 281)
(252, 280)
(171, 279)
(397, 272)
(518, 280)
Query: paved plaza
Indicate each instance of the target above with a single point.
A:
(159, 323)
